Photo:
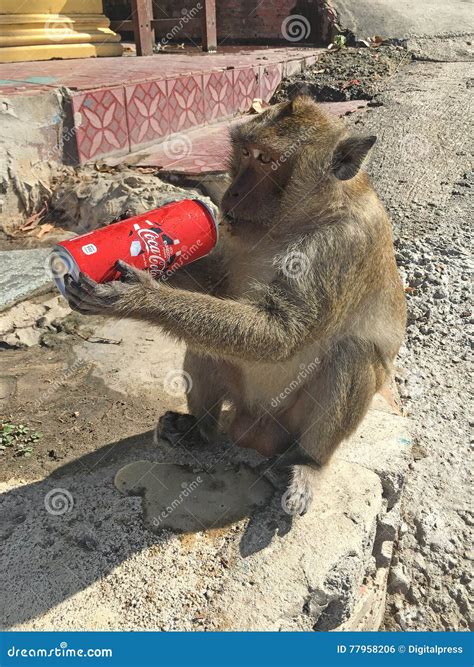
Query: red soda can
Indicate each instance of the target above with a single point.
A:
(160, 241)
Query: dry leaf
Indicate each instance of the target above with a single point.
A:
(43, 230)
(33, 220)
(258, 105)
(147, 170)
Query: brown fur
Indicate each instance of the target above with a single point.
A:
(252, 325)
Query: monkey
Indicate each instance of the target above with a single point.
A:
(304, 276)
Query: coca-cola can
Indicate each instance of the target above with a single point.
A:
(160, 241)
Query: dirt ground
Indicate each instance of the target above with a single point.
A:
(59, 396)
(346, 74)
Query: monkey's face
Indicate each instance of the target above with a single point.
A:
(266, 152)
(258, 181)
(285, 159)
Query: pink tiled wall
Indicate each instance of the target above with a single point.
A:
(123, 119)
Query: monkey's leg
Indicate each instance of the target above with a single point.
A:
(331, 408)
(205, 397)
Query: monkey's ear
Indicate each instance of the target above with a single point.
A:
(350, 154)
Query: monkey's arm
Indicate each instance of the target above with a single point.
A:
(269, 330)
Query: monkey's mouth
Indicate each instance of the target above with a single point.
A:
(229, 218)
(232, 220)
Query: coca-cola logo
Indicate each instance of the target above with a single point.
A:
(155, 249)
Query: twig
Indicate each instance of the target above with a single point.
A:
(98, 339)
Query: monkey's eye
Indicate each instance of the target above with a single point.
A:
(265, 158)
(245, 152)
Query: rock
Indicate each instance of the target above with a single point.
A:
(23, 315)
(23, 337)
(23, 273)
(398, 581)
(281, 574)
(385, 555)
(382, 444)
(88, 199)
(56, 309)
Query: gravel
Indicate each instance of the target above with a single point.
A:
(433, 382)
(420, 167)
(347, 74)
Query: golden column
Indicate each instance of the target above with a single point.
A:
(56, 29)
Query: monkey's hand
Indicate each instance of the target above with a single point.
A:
(88, 297)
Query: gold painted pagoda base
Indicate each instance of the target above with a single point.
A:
(82, 32)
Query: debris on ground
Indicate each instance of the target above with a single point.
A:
(343, 74)
(25, 324)
(87, 198)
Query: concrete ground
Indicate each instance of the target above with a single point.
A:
(422, 167)
(82, 552)
(402, 18)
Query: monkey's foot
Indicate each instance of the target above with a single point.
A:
(299, 495)
(178, 429)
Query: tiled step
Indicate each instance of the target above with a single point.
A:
(120, 119)
(198, 151)
(115, 106)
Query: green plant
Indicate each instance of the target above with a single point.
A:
(18, 437)
(339, 41)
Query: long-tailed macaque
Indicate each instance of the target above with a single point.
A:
(304, 278)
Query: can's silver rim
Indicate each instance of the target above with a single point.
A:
(214, 220)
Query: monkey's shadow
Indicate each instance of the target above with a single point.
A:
(63, 533)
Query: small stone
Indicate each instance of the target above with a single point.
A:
(385, 555)
(23, 337)
(23, 315)
(404, 527)
(398, 581)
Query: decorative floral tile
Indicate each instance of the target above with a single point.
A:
(185, 102)
(218, 95)
(270, 77)
(246, 87)
(101, 124)
(147, 112)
